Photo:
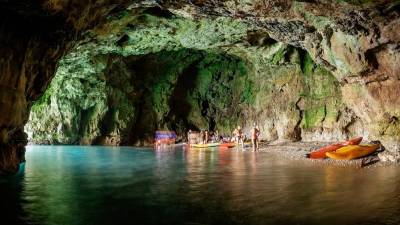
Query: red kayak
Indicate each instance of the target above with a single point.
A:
(320, 153)
(227, 145)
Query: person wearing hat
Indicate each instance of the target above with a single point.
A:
(255, 132)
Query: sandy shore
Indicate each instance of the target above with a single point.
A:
(298, 150)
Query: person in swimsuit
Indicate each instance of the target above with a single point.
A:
(238, 134)
(255, 132)
(206, 137)
(189, 136)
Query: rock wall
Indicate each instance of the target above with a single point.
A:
(239, 76)
(29, 51)
(357, 41)
(34, 35)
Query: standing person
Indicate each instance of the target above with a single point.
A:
(234, 134)
(238, 134)
(216, 136)
(255, 132)
(189, 136)
(206, 137)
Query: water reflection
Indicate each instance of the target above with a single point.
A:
(10, 204)
(104, 185)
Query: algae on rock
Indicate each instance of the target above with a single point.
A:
(175, 73)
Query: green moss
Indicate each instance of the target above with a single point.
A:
(141, 73)
(194, 88)
(41, 104)
(307, 64)
(313, 117)
(278, 57)
(247, 95)
(319, 82)
(321, 95)
(151, 34)
(203, 79)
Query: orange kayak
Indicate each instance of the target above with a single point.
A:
(321, 153)
(353, 151)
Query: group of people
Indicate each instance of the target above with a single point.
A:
(207, 136)
(238, 137)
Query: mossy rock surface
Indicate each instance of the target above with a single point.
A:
(179, 74)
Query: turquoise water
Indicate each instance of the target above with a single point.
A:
(110, 185)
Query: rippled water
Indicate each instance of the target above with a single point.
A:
(106, 185)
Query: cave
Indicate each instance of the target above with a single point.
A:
(111, 73)
(300, 80)
(156, 91)
(188, 89)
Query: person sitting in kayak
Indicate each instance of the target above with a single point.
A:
(238, 135)
(255, 132)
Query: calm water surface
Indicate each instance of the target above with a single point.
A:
(110, 185)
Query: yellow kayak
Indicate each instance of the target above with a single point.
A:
(209, 145)
(353, 151)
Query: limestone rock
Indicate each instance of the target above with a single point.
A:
(389, 157)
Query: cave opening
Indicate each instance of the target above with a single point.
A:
(155, 70)
(131, 97)
(110, 99)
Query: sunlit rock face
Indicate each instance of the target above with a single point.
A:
(354, 42)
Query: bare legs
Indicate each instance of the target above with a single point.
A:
(254, 143)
